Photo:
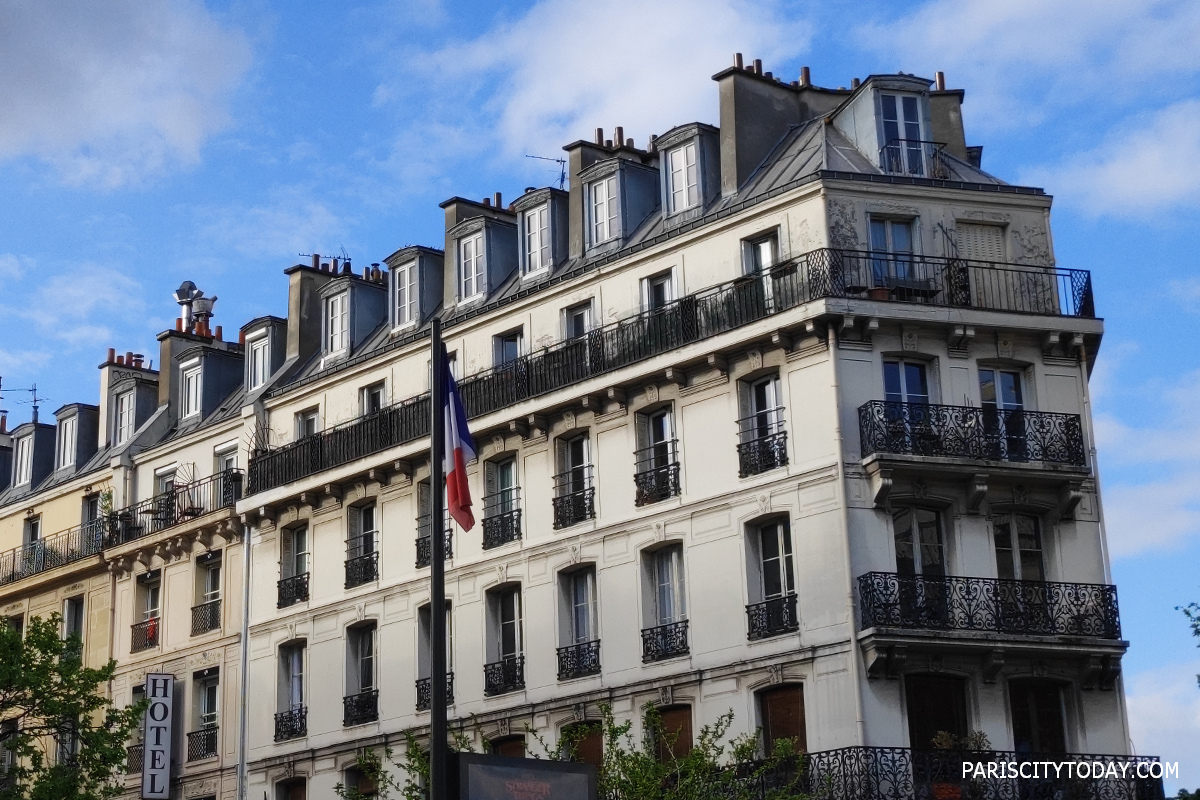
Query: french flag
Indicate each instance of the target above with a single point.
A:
(458, 449)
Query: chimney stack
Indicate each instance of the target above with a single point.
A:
(758, 66)
(3, 423)
(112, 355)
(316, 260)
(487, 201)
(120, 361)
(805, 77)
(220, 338)
(854, 83)
(737, 61)
(619, 135)
(498, 202)
(599, 135)
(939, 81)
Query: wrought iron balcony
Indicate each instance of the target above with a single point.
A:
(135, 756)
(425, 691)
(762, 442)
(665, 641)
(360, 708)
(578, 660)
(1038, 608)
(202, 744)
(362, 569)
(657, 472)
(291, 724)
(501, 518)
(293, 590)
(503, 676)
(206, 617)
(914, 158)
(144, 635)
(574, 497)
(985, 434)
(772, 617)
(425, 549)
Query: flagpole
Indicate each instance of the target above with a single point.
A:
(437, 550)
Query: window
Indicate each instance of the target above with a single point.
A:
(656, 475)
(509, 746)
(259, 361)
(151, 595)
(658, 291)
(67, 741)
(537, 239)
(505, 670)
(291, 677)
(760, 253)
(404, 283)
(901, 134)
(67, 429)
(581, 594)
(293, 789)
(920, 549)
(674, 739)
(17, 623)
(425, 624)
(360, 654)
(589, 742)
(124, 417)
(667, 568)
(470, 267)
(935, 703)
(208, 705)
(164, 481)
(32, 530)
(371, 398)
(783, 717)
(210, 580)
(682, 186)
(905, 382)
(8, 758)
(506, 347)
(891, 252)
(73, 618)
(337, 323)
(362, 561)
(979, 242)
(1018, 540)
(1000, 389)
(762, 440)
(501, 503)
(577, 320)
(294, 555)
(777, 575)
(508, 627)
(604, 210)
(23, 461)
(307, 423)
(191, 391)
(1037, 716)
(361, 782)
(575, 462)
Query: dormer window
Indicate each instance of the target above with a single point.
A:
(124, 417)
(258, 361)
(683, 187)
(470, 267)
(903, 150)
(191, 390)
(67, 429)
(404, 294)
(604, 210)
(337, 323)
(537, 239)
(23, 461)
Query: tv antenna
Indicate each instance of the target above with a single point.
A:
(34, 399)
(562, 168)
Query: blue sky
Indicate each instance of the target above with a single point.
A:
(145, 142)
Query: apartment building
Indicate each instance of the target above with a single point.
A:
(787, 416)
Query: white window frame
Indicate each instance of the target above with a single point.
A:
(258, 360)
(23, 460)
(362, 646)
(472, 267)
(585, 579)
(604, 223)
(405, 308)
(364, 396)
(302, 416)
(668, 279)
(337, 323)
(191, 389)
(292, 669)
(208, 690)
(124, 416)
(668, 574)
(588, 319)
(498, 342)
(683, 178)
(536, 248)
(68, 430)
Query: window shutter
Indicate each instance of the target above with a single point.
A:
(287, 561)
(423, 497)
(980, 242)
(489, 479)
(560, 447)
(642, 427)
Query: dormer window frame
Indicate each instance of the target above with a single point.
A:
(23, 460)
(66, 439)
(124, 416)
(677, 163)
(539, 220)
(611, 200)
(258, 359)
(336, 310)
(191, 389)
(406, 276)
(474, 289)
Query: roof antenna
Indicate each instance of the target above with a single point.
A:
(562, 165)
(34, 399)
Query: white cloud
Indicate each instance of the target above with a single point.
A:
(1164, 717)
(293, 221)
(111, 92)
(14, 266)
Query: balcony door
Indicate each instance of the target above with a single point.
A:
(901, 134)
(582, 585)
(935, 704)
(575, 464)
(1003, 404)
(668, 586)
(1037, 715)
(1021, 565)
(892, 254)
(783, 717)
(920, 566)
(762, 410)
(907, 413)
(508, 633)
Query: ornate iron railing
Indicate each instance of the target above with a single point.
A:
(145, 635)
(503, 676)
(135, 756)
(501, 517)
(987, 434)
(360, 708)
(202, 744)
(656, 475)
(772, 617)
(425, 549)
(665, 641)
(1041, 608)
(574, 497)
(291, 724)
(812, 276)
(762, 442)
(914, 158)
(425, 691)
(206, 617)
(577, 660)
(293, 590)
(362, 569)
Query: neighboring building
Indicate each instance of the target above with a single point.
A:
(788, 417)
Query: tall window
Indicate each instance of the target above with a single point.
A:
(891, 251)
(778, 577)
(225, 459)
(363, 532)
(577, 320)
(291, 677)
(683, 190)
(73, 618)
(920, 549)
(8, 758)
(581, 589)
(905, 382)
(294, 555)
(669, 603)
(783, 717)
(901, 134)
(209, 701)
(760, 253)
(67, 429)
(658, 290)
(1019, 547)
(470, 266)
(360, 669)
(761, 441)
(1003, 421)
(371, 398)
(935, 703)
(404, 281)
(656, 475)
(537, 239)
(506, 347)
(508, 628)
(151, 596)
(306, 423)
(604, 210)
(124, 417)
(32, 533)
(1037, 716)
(425, 625)
(259, 361)
(210, 581)
(674, 740)
(23, 471)
(337, 323)
(191, 391)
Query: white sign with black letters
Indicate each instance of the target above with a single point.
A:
(156, 759)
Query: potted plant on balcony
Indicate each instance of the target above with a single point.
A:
(952, 752)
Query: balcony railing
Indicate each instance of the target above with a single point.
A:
(914, 158)
(985, 434)
(425, 549)
(665, 641)
(952, 603)
(293, 590)
(202, 744)
(574, 497)
(362, 569)
(425, 691)
(503, 676)
(360, 708)
(578, 660)
(206, 617)
(762, 442)
(824, 273)
(135, 756)
(501, 518)
(772, 617)
(145, 635)
(656, 475)
(291, 724)
(150, 516)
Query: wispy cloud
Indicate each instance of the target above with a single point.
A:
(13, 266)
(112, 92)
(290, 221)
(1164, 715)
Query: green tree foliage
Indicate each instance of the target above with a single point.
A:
(68, 742)
(1192, 612)
(716, 768)
(1184, 794)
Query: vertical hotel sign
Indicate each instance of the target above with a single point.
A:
(156, 727)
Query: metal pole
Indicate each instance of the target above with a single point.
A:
(437, 552)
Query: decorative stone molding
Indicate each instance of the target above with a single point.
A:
(886, 662)
(977, 490)
(993, 662)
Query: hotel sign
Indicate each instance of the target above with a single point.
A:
(157, 727)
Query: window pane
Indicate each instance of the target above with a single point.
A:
(1002, 532)
(987, 387)
(893, 391)
(914, 383)
(929, 529)
(902, 522)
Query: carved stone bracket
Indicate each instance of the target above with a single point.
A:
(977, 492)
(782, 340)
(718, 362)
(676, 375)
(519, 427)
(886, 662)
(993, 662)
(616, 397)
(881, 485)
(1069, 497)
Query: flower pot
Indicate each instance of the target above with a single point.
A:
(879, 293)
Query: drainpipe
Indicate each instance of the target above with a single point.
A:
(245, 659)
(855, 653)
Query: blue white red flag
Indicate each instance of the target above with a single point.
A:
(458, 449)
